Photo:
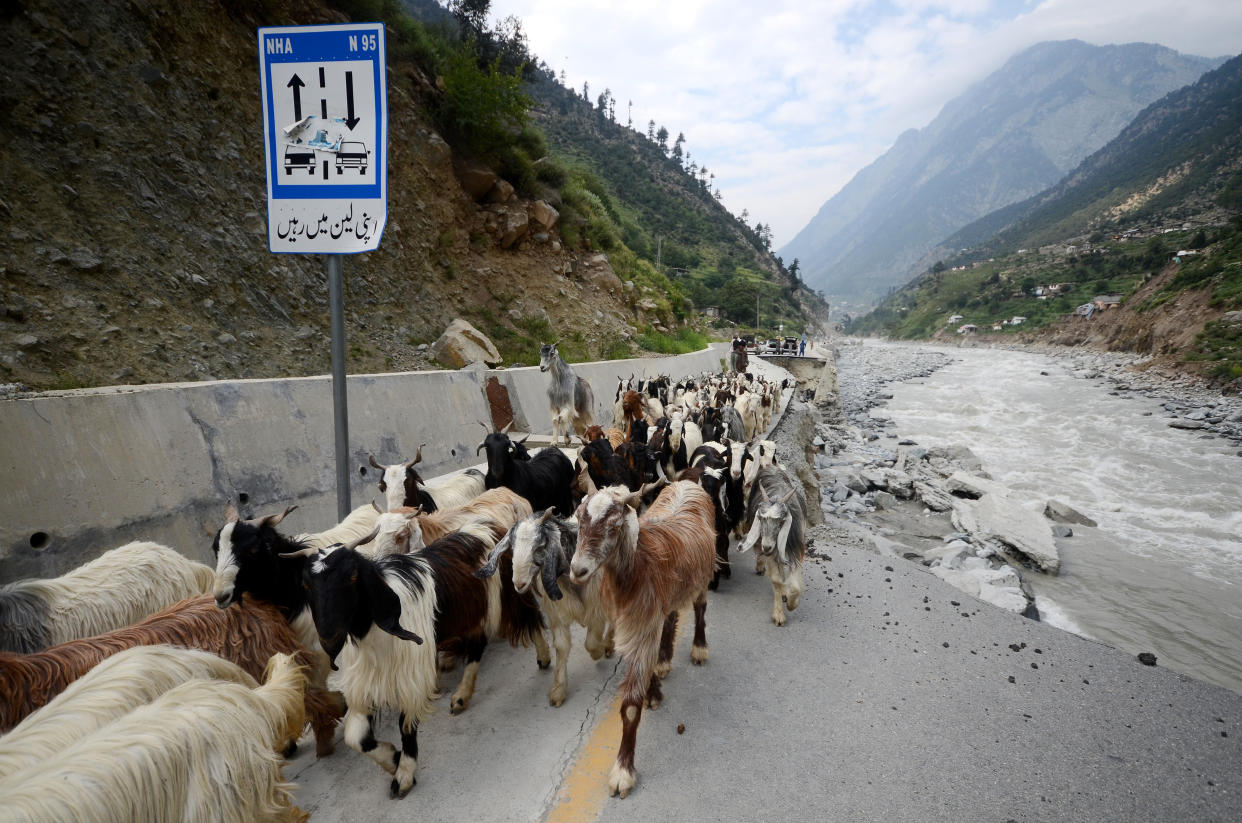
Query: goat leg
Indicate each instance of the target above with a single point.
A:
(698, 651)
(404, 778)
(668, 639)
(465, 690)
(561, 639)
(360, 736)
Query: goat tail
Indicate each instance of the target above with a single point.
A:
(284, 689)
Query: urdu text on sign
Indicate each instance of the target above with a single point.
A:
(325, 133)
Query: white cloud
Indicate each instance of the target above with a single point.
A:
(785, 101)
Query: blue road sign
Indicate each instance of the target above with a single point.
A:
(325, 131)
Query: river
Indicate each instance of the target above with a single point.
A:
(1162, 571)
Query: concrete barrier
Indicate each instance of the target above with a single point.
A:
(89, 470)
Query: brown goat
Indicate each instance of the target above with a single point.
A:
(653, 566)
(247, 634)
(498, 510)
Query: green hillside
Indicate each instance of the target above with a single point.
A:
(635, 197)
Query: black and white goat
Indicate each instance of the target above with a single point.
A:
(570, 396)
(546, 479)
(775, 519)
(541, 546)
(402, 485)
(419, 603)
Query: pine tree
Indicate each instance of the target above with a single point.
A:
(662, 139)
(651, 134)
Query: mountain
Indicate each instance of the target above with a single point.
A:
(1153, 218)
(132, 187)
(1005, 139)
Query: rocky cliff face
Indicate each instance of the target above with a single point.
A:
(134, 241)
(1007, 138)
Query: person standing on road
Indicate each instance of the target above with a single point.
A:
(802, 345)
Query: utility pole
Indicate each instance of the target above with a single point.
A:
(756, 314)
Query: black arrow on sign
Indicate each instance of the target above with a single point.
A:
(350, 120)
(296, 84)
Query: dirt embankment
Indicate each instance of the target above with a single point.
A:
(135, 243)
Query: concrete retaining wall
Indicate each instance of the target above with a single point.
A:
(86, 471)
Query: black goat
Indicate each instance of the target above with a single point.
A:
(606, 467)
(546, 479)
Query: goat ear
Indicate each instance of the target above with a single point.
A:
(489, 568)
(386, 608)
(782, 539)
(550, 570)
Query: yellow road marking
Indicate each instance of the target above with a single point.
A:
(585, 790)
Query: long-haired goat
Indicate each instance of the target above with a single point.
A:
(248, 635)
(114, 688)
(402, 485)
(120, 587)
(544, 480)
(431, 598)
(204, 751)
(404, 530)
(570, 396)
(775, 517)
(541, 547)
(250, 560)
(650, 568)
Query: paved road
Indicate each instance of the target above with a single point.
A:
(855, 710)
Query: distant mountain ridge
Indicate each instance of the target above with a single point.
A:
(1010, 136)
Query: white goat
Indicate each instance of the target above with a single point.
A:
(203, 752)
(112, 689)
(118, 588)
(542, 546)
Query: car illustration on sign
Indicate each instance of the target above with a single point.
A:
(299, 157)
(351, 155)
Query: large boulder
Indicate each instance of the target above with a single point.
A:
(513, 227)
(543, 214)
(477, 180)
(463, 344)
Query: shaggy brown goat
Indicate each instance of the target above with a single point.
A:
(652, 566)
(247, 634)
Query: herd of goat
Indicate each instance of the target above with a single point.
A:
(131, 685)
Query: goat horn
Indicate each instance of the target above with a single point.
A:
(272, 520)
(522, 442)
(362, 540)
(785, 499)
(417, 458)
(375, 464)
(375, 506)
(546, 516)
(479, 449)
(486, 427)
(230, 514)
(307, 552)
(505, 430)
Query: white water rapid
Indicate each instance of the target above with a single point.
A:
(1162, 571)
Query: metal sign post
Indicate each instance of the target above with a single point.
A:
(325, 132)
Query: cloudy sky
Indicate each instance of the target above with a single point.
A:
(785, 100)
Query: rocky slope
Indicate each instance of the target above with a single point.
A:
(134, 242)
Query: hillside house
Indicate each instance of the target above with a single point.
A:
(998, 326)
(957, 318)
(1017, 321)
(1085, 310)
(712, 311)
(968, 328)
(1106, 301)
